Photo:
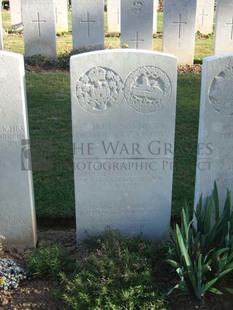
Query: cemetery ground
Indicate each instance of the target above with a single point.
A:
(122, 273)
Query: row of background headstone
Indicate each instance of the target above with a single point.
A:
(137, 22)
(123, 122)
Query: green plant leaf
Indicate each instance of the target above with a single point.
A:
(215, 291)
(230, 290)
(184, 251)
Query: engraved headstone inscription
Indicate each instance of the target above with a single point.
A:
(137, 24)
(1, 30)
(114, 15)
(61, 15)
(123, 119)
(16, 15)
(17, 214)
(205, 16)
(179, 29)
(88, 23)
(223, 42)
(215, 148)
(39, 27)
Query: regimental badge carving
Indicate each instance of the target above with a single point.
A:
(221, 92)
(99, 90)
(148, 89)
(138, 6)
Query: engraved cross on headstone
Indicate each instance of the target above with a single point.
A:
(88, 21)
(231, 24)
(137, 40)
(57, 13)
(38, 21)
(180, 23)
(203, 16)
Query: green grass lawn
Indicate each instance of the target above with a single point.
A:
(50, 128)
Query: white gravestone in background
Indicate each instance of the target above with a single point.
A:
(114, 15)
(1, 30)
(223, 42)
(215, 158)
(179, 29)
(88, 23)
(16, 15)
(137, 23)
(205, 16)
(39, 27)
(61, 15)
(17, 213)
(156, 4)
(123, 119)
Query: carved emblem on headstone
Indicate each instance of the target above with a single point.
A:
(221, 93)
(148, 89)
(99, 89)
(138, 6)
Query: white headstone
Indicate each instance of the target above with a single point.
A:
(156, 5)
(1, 30)
(215, 158)
(123, 115)
(16, 15)
(179, 29)
(61, 15)
(205, 16)
(223, 42)
(113, 13)
(88, 23)
(137, 23)
(39, 27)
(17, 214)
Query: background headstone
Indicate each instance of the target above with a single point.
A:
(39, 27)
(88, 23)
(156, 4)
(17, 214)
(179, 29)
(137, 23)
(113, 13)
(205, 16)
(1, 28)
(215, 155)
(16, 15)
(61, 15)
(123, 116)
(223, 42)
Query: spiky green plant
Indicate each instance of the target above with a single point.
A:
(201, 248)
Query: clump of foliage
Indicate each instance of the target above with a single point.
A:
(61, 63)
(49, 261)
(202, 247)
(116, 274)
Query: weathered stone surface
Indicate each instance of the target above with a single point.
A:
(137, 24)
(39, 27)
(114, 15)
(215, 156)
(223, 42)
(61, 15)
(17, 214)
(156, 5)
(179, 29)
(16, 15)
(88, 23)
(205, 16)
(123, 116)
